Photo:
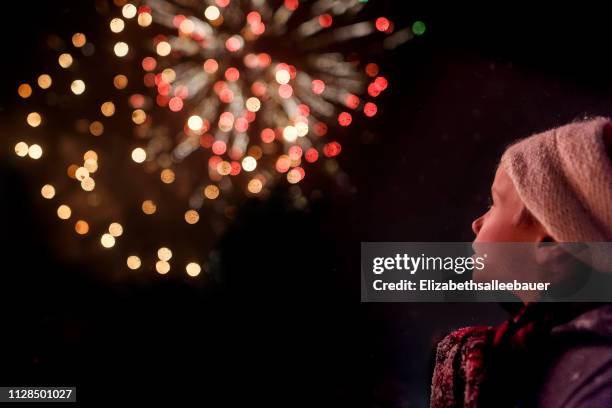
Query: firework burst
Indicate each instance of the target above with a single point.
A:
(224, 99)
(263, 88)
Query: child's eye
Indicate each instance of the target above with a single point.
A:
(489, 202)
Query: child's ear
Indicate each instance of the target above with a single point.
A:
(548, 252)
(552, 255)
(554, 262)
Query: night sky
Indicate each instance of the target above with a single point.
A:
(281, 321)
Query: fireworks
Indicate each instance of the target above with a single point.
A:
(225, 100)
(262, 88)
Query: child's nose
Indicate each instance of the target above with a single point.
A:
(477, 225)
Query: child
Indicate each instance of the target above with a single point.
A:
(552, 187)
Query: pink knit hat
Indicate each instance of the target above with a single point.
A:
(564, 177)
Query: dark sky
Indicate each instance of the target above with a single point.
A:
(479, 78)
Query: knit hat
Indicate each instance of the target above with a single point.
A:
(564, 178)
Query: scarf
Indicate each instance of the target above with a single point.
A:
(488, 366)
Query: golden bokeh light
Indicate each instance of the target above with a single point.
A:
(120, 81)
(139, 116)
(79, 40)
(81, 174)
(192, 216)
(90, 155)
(47, 191)
(71, 171)
(211, 191)
(212, 13)
(254, 186)
(224, 168)
(149, 207)
(121, 49)
(65, 60)
(24, 91)
(253, 104)
(163, 48)
(193, 269)
(44, 81)
(145, 19)
(301, 129)
(35, 152)
(164, 254)
(91, 165)
(169, 75)
(117, 25)
(290, 133)
(249, 163)
(107, 109)
(162, 267)
(81, 227)
(133, 262)
(115, 229)
(139, 155)
(96, 128)
(34, 119)
(77, 86)
(195, 123)
(107, 241)
(167, 176)
(21, 149)
(294, 176)
(129, 11)
(64, 212)
(88, 184)
(282, 76)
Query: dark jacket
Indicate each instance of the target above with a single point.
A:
(580, 372)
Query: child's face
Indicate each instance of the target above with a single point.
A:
(503, 221)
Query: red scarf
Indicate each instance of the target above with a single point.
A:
(476, 366)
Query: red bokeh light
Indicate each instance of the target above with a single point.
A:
(371, 69)
(149, 63)
(345, 119)
(241, 124)
(219, 147)
(207, 140)
(320, 129)
(267, 135)
(235, 168)
(311, 155)
(383, 24)
(175, 104)
(351, 101)
(285, 91)
(332, 149)
(232, 74)
(304, 110)
(149, 80)
(283, 164)
(318, 86)
(381, 82)
(291, 5)
(214, 161)
(295, 152)
(325, 20)
(137, 101)
(370, 109)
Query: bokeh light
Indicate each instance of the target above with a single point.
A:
(201, 111)
(77, 86)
